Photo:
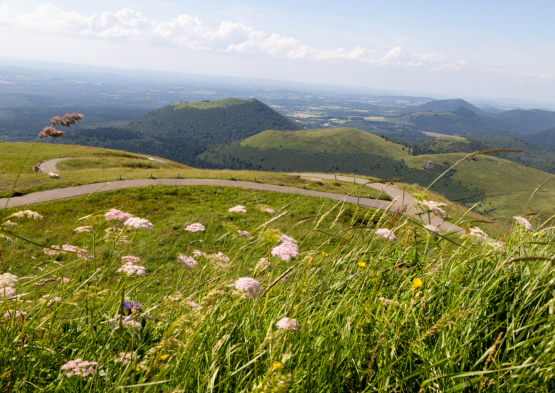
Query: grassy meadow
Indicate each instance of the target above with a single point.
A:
(412, 314)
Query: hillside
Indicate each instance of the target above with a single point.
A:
(545, 139)
(501, 186)
(211, 122)
(331, 140)
(182, 131)
(460, 121)
(438, 106)
(529, 121)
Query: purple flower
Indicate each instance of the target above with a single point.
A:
(114, 214)
(238, 209)
(196, 227)
(433, 229)
(288, 324)
(187, 262)
(132, 306)
(287, 249)
(248, 287)
(386, 234)
(525, 223)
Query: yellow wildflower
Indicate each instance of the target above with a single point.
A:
(164, 357)
(324, 254)
(362, 264)
(276, 365)
(416, 283)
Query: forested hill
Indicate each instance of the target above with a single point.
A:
(212, 122)
(182, 131)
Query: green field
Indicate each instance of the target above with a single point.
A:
(210, 104)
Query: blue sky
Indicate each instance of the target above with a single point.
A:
(470, 49)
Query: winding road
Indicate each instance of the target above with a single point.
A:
(400, 198)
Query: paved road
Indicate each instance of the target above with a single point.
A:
(50, 165)
(400, 198)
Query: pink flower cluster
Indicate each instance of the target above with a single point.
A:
(433, 229)
(79, 367)
(114, 214)
(477, 233)
(136, 222)
(386, 234)
(129, 268)
(127, 322)
(288, 324)
(248, 287)
(268, 210)
(187, 262)
(244, 234)
(53, 175)
(81, 252)
(287, 249)
(238, 209)
(7, 292)
(219, 257)
(14, 314)
(193, 305)
(131, 259)
(196, 227)
(434, 206)
(87, 228)
(123, 358)
(525, 223)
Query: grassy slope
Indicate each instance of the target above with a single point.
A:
(330, 140)
(507, 185)
(85, 171)
(439, 333)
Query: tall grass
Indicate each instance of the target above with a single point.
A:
(481, 321)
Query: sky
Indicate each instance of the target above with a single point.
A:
(468, 49)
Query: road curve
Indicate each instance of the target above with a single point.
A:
(400, 198)
(50, 165)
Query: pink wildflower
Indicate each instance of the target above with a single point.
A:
(219, 257)
(287, 249)
(51, 301)
(123, 358)
(198, 253)
(130, 258)
(54, 133)
(114, 214)
(135, 222)
(268, 210)
(238, 209)
(127, 322)
(248, 287)
(14, 314)
(434, 206)
(525, 223)
(81, 252)
(49, 251)
(63, 280)
(244, 234)
(87, 228)
(196, 227)
(53, 175)
(477, 233)
(288, 324)
(187, 262)
(7, 292)
(194, 305)
(79, 367)
(386, 234)
(129, 268)
(433, 229)
(7, 280)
